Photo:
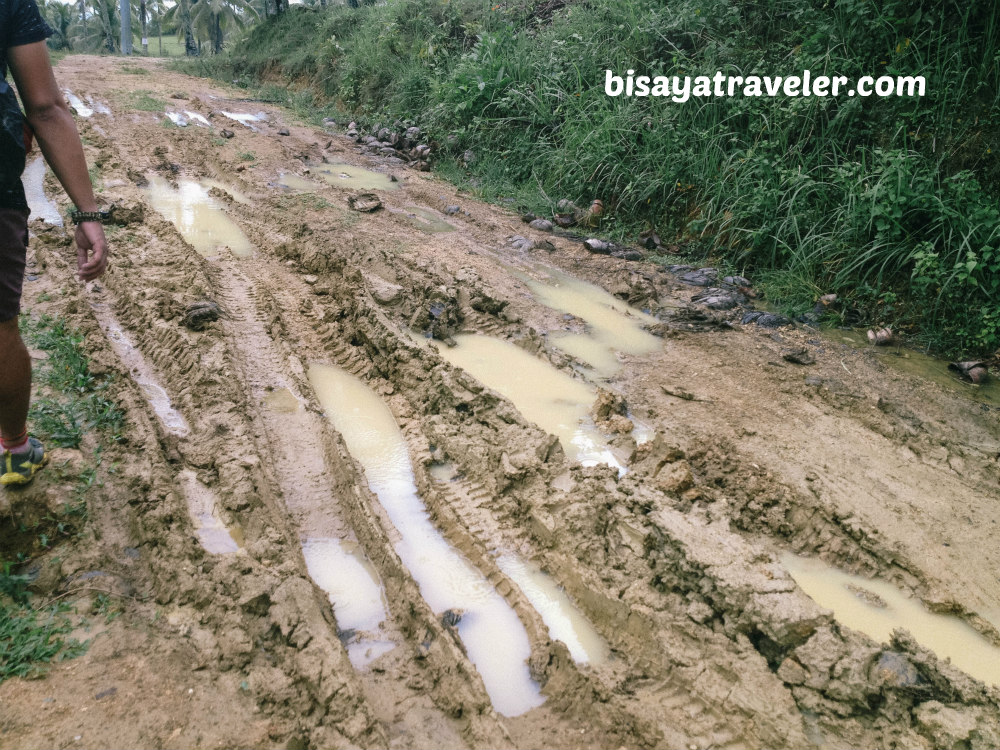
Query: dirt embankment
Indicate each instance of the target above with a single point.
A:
(676, 563)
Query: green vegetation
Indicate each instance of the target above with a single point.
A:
(74, 401)
(891, 203)
(143, 101)
(30, 638)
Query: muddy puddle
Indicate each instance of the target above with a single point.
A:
(612, 325)
(552, 399)
(356, 594)
(561, 616)
(200, 218)
(141, 372)
(77, 104)
(350, 176)
(920, 365)
(876, 608)
(295, 182)
(237, 195)
(41, 206)
(215, 536)
(494, 637)
(246, 119)
(425, 220)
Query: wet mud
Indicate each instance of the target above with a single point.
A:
(391, 438)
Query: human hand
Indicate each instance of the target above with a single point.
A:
(91, 251)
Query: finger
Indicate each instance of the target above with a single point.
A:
(81, 259)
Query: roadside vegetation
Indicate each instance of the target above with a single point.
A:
(891, 203)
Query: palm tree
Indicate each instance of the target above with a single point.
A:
(60, 17)
(215, 17)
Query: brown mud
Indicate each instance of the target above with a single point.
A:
(676, 562)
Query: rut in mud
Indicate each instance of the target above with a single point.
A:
(398, 444)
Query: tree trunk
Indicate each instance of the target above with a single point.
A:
(217, 34)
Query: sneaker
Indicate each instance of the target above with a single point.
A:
(20, 468)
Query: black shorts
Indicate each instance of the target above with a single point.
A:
(13, 249)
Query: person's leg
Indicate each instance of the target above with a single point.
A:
(15, 386)
(15, 364)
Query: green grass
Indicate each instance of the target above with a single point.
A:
(865, 198)
(134, 70)
(143, 101)
(30, 639)
(75, 400)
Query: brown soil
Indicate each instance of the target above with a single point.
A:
(676, 563)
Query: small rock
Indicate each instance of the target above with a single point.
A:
(700, 277)
(599, 247)
(798, 356)
(227, 134)
(765, 319)
(178, 95)
(109, 692)
(451, 617)
(974, 372)
(452, 210)
(199, 314)
(631, 255)
(895, 670)
(528, 217)
(542, 225)
(310, 279)
(736, 281)
(284, 131)
(881, 337)
(468, 158)
(365, 202)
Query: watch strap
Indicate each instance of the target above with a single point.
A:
(79, 217)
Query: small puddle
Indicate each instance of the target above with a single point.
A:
(282, 401)
(876, 608)
(356, 594)
(77, 104)
(41, 206)
(555, 401)
(293, 181)
(198, 119)
(349, 176)
(142, 373)
(199, 217)
(214, 535)
(612, 325)
(246, 119)
(426, 220)
(565, 622)
(177, 119)
(98, 106)
(920, 365)
(236, 195)
(494, 637)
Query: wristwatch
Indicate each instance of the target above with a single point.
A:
(79, 217)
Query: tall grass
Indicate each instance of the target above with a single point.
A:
(876, 199)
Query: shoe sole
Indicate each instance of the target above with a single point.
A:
(16, 478)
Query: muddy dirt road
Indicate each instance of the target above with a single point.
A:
(420, 485)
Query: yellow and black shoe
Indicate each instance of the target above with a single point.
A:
(20, 468)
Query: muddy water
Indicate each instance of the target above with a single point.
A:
(565, 622)
(545, 395)
(203, 506)
(876, 608)
(356, 595)
(198, 119)
(349, 176)
(494, 637)
(199, 217)
(177, 119)
(142, 373)
(293, 181)
(40, 204)
(77, 104)
(426, 220)
(244, 118)
(921, 365)
(612, 325)
(236, 195)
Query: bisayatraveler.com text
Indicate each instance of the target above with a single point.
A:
(682, 88)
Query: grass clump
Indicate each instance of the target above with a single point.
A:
(889, 202)
(75, 401)
(144, 101)
(31, 638)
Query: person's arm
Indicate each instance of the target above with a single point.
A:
(57, 136)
